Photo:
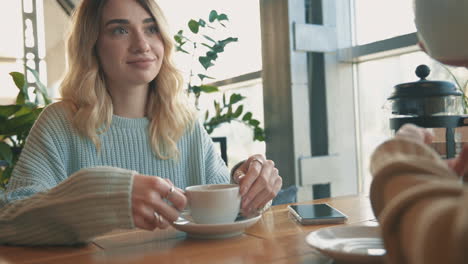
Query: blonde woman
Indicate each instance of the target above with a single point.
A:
(122, 140)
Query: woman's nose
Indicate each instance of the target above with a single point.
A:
(139, 43)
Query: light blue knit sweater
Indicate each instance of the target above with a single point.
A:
(63, 191)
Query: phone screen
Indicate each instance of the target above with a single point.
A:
(312, 212)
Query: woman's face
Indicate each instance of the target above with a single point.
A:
(129, 46)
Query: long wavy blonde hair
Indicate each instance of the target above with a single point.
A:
(84, 88)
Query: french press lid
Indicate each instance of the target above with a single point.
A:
(423, 87)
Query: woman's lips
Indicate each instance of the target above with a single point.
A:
(141, 63)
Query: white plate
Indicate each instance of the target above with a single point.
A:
(213, 231)
(353, 243)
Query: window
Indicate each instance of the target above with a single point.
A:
(11, 51)
(240, 58)
(386, 55)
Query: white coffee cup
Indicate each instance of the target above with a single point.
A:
(441, 26)
(214, 203)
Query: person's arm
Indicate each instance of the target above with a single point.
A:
(42, 205)
(420, 204)
(90, 202)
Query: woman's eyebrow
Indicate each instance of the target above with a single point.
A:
(149, 20)
(117, 21)
(126, 21)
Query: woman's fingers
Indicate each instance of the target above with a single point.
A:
(266, 194)
(460, 163)
(252, 167)
(168, 191)
(413, 132)
(155, 202)
(260, 183)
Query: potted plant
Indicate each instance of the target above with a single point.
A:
(204, 49)
(17, 119)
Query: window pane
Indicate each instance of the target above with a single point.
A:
(11, 26)
(240, 144)
(376, 82)
(238, 58)
(378, 20)
(8, 89)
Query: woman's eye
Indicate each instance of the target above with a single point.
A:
(119, 31)
(153, 30)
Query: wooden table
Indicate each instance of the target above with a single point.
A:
(275, 238)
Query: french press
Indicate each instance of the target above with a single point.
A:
(429, 104)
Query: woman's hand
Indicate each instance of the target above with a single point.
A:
(422, 135)
(259, 183)
(460, 164)
(149, 208)
(415, 133)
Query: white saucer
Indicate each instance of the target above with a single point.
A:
(353, 243)
(213, 231)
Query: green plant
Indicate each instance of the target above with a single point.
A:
(205, 49)
(463, 89)
(17, 119)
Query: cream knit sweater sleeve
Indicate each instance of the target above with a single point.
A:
(90, 202)
(420, 203)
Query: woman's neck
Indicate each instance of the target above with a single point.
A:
(129, 102)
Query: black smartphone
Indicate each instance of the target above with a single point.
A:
(316, 214)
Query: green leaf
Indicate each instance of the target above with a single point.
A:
(26, 109)
(195, 89)
(203, 76)
(205, 62)
(179, 48)
(20, 124)
(201, 22)
(218, 48)
(5, 153)
(6, 176)
(217, 108)
(7, 110)
(222, 17)
(247, 116)
(238, 111)
(208, 46)
(235, 98)
(254, 122)
(193, 26)
(19, 80)
(209, 88)
(42, 88)
(259, 134)
(210, 39)
(20, 98)
(229, 112)
(224, 99)
(212, 55)
(213, 15)
(206, 115)
(226, 41)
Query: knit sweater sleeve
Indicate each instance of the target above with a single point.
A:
(419, 202)
(44, 206)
